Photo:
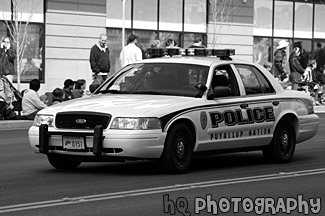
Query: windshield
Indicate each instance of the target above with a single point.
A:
(157, 78)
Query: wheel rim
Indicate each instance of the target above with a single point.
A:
(285, 144)
(181, 152)
(180, 149)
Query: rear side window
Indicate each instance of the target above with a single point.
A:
(254, 81)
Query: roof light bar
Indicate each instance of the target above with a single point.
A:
(223, 54)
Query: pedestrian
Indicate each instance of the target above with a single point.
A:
(99, 59)
(296, 70)
(131, 52)
(197, 43)
(79, 88)
(7, 59)
(279, 61)
(319, 55)
(31, 102)
(311, 79)
(67, 88)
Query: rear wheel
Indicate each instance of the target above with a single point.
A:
(61, 162)
(283, 144)
(178, 150)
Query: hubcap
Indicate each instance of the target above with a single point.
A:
(285, 141)
(180, 149)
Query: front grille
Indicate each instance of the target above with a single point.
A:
(84, 120)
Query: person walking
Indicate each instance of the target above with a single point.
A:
(296, 70)
(99, 59)
(280, 60)
(31, 102)
(319, 55)
(7, 59)
(131, 52)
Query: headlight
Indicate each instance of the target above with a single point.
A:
(43, 119)
(136, 123)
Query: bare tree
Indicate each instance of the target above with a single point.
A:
(221, 11)
(17, 25)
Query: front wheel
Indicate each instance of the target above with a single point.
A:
(178, 150)
(283, 144)
(61, 162)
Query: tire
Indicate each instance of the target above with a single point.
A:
(178, 150)
(61, 162)
(283, 144)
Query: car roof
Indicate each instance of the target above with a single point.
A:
(197, 60)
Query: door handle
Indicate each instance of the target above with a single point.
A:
(275, 103)
(243, 106)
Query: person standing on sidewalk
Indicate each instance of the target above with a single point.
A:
(280, 60)
(31, 102)
(99, 59)
(7, 59)
(295, 68)
(131, 52)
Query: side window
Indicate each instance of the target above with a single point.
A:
(265, 84)
(254, 82)
(224, 83)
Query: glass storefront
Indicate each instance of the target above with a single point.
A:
(170, 15)
(300, 22)
(155, 22)
(31, 11)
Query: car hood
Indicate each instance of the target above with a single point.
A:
(124, 105)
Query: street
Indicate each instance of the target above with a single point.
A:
(226, 184)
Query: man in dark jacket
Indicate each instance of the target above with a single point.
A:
(7, 59)
(99, 58)
(295, 68)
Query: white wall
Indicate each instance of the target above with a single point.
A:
(72, 28)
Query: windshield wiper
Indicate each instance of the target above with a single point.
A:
(112, 91)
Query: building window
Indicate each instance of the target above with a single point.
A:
(195, 16)
(32, 11)
(145, 14)
(283, 19)
(319, 29)
(114, 13)
(32, 66)
(170, 15)
(262, 50)
(115, 47)
(303, 20)
(164, 37)
(263, 17)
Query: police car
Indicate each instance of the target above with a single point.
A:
(178, 104)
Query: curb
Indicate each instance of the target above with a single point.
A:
(15, 124)
(319, 109)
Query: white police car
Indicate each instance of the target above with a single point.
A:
(173, 108)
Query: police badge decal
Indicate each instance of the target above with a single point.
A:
(203, 119)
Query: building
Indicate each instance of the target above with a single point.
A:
(61, 33)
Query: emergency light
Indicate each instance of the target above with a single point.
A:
(223, 54)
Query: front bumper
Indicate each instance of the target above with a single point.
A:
(308, 126)
(100, 143)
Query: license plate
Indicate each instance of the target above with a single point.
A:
(73, 143)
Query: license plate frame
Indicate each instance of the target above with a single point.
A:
(73, 142)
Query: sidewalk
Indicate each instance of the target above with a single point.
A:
(24, 124)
